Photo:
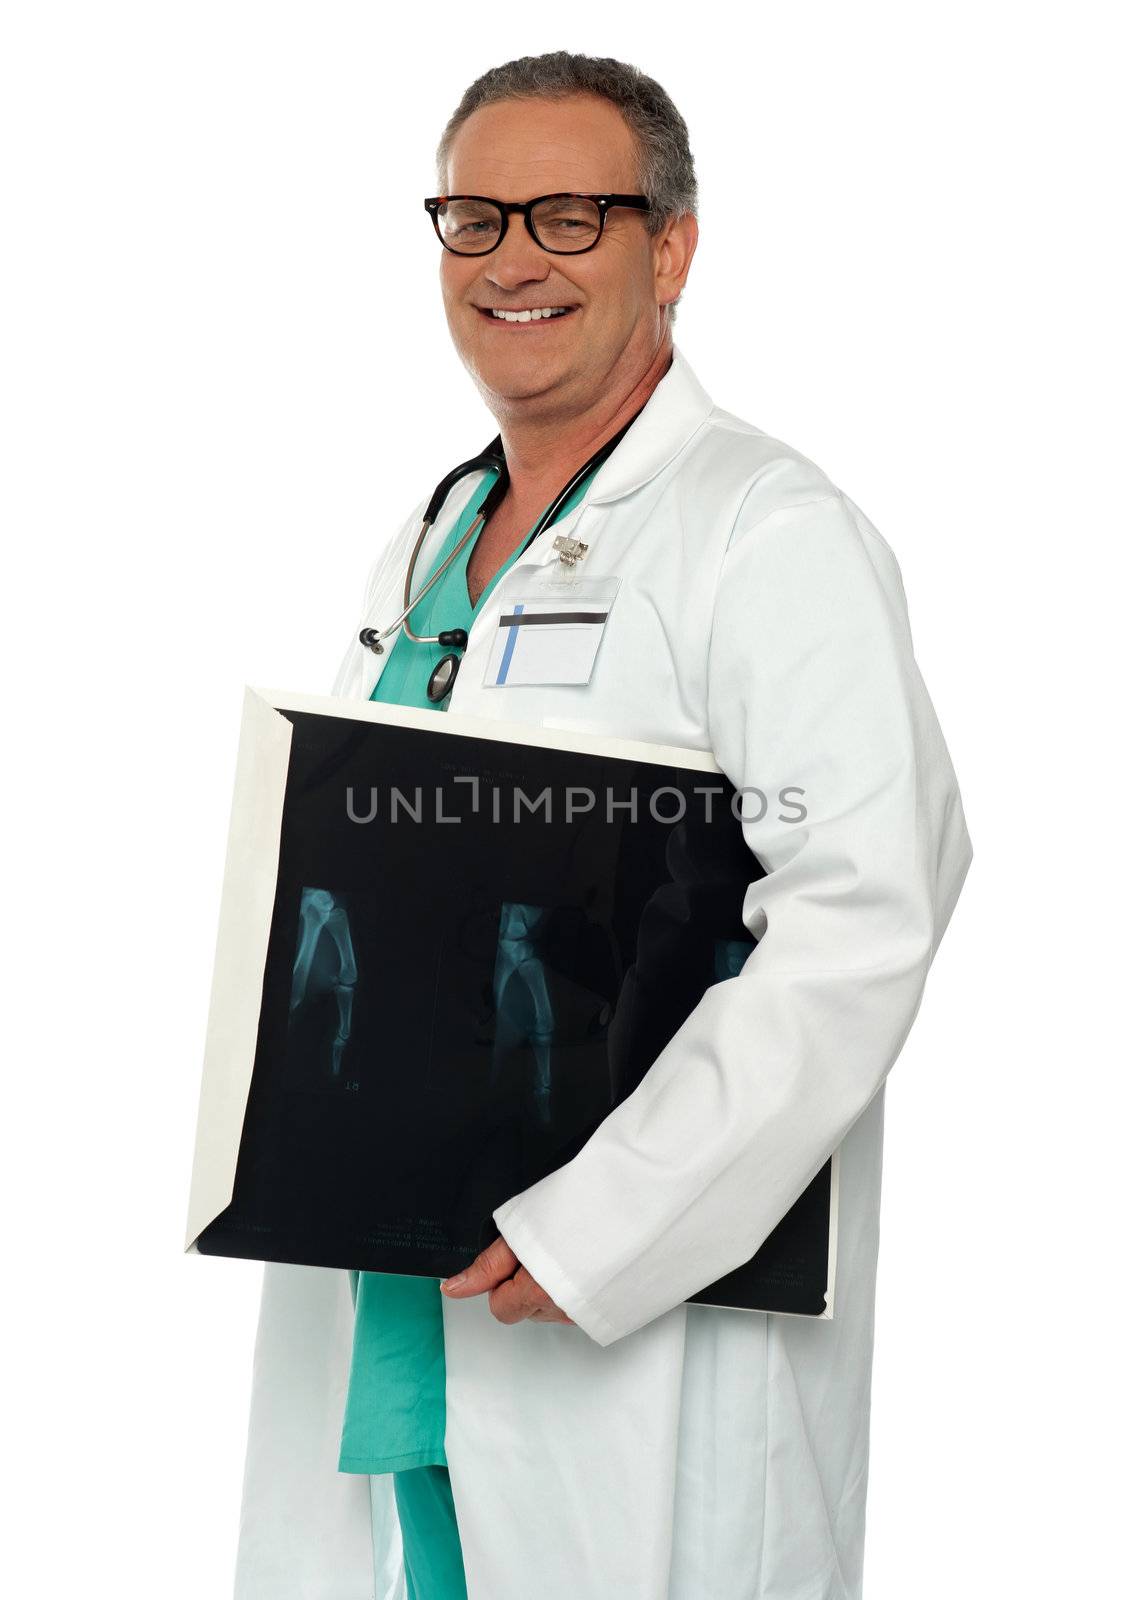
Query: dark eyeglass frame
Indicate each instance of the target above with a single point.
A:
(604, 204)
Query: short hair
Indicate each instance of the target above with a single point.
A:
(665, 171)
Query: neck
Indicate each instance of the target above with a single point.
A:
(543, 453)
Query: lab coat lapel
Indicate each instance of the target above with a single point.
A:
(676, 408)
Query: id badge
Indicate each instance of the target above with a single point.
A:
(551, 635)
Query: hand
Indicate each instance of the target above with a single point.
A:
(514, 1294)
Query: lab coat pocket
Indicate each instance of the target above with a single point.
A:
(552, 634)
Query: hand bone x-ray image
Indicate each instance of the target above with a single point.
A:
(324, 967)
(521, 996)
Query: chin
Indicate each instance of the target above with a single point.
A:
(516, 378)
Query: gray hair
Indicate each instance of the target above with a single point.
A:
(665, 171)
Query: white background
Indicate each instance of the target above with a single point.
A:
(226, 374)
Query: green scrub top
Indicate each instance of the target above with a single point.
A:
(395, 1402)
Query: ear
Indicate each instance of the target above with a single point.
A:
(673, 248)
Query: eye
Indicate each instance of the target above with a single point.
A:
(469, 221)
(567, 219)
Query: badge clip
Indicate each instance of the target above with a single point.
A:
(569, 549)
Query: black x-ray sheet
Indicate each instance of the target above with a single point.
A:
(448, 947)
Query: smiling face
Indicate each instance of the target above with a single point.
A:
(616, 293)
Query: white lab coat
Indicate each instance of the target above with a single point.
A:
(659, 1450)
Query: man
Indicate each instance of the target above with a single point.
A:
(604, 1437)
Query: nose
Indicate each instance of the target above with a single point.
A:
(518, 258)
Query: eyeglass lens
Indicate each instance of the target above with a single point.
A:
(562, 223)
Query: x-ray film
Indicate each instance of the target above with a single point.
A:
(447, 948)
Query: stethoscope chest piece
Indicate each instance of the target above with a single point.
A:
(442, 676)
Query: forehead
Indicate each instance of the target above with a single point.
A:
(519, 148)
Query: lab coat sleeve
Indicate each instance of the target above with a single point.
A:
(812, 685)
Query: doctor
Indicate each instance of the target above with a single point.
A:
(605, 1438)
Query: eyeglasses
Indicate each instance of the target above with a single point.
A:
(562, 224)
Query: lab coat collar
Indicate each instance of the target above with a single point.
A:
(674, 410)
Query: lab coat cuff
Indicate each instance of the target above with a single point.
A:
(533, 1255)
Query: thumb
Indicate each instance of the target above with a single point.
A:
(492, 1266)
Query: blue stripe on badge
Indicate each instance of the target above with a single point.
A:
(510, 643)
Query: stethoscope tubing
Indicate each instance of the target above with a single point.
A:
(411, 605)
(488, 461)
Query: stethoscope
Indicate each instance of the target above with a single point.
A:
(452, 640)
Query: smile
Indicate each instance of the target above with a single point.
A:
(527, 317)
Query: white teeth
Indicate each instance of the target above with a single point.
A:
(531, 316)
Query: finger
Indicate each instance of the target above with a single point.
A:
(515, 1300)
(551, 1314)
(523, 1298)
(487, 1269)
